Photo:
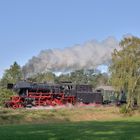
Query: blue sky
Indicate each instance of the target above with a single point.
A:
(29, 26)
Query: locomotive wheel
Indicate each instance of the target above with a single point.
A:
(15, 106)
(7, 105)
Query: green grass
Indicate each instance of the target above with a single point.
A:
(88, 130)
(84, 123)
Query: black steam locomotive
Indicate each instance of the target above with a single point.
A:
(44, 94)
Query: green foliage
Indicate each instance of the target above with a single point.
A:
(5, 95)
(43, 77)
(87, 130)
(77, 77)
(12, 75)
(125, 110)
(125, 69)
(63, 77)
(101, 79)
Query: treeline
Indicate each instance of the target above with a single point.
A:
(14, 74)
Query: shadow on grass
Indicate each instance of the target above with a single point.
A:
(24, 117)
(115, 130)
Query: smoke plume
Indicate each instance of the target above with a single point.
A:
(86, 56)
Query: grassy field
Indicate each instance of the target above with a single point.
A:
(86, 123)
(92, 130)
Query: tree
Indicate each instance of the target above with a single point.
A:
(125, 69)
(62, 78)
(5, 95)
(43, 77)
(84, 77)
(12, 75)
(79, 77)
(101, 79)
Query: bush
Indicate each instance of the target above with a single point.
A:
(5, 95)
(125, 110)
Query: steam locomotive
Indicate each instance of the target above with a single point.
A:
(43, 94)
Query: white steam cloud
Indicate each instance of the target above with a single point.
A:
(86, 56)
